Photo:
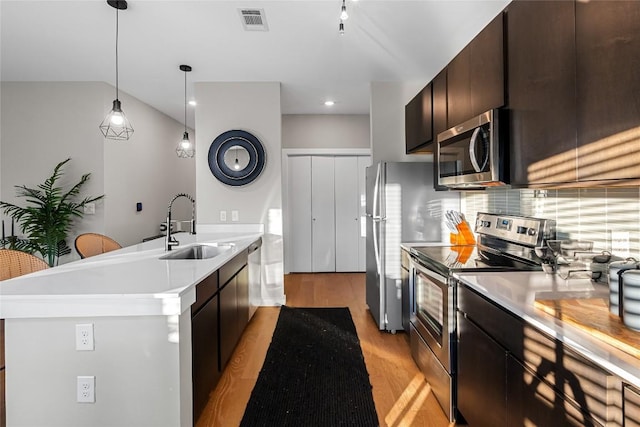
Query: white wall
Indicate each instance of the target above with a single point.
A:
(387, 121)
(141, 364)
(44, 123)
(325, 131)
(41, 125)
(253, 107)
(144, 169)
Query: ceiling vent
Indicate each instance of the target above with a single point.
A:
(253, 19)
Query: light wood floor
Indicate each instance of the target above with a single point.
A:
(401, 395)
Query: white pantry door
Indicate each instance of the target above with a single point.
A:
(323, 243)
(347, 214)
(300, 213)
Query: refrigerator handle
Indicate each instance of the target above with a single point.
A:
(376, 191)
(376, 249)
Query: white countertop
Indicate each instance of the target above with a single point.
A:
(132, 281)
(517, 292)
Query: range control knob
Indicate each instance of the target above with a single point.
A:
(531, 231)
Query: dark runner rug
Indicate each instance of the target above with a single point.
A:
(314, 373)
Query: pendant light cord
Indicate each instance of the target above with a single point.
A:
(185, 101)
(116, 53)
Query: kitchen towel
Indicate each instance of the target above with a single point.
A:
(314, 373)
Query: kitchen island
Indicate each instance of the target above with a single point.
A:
(138, 307)
(545, 356)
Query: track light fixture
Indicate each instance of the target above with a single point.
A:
(185, 148)
(343, 12)
(116, 125)
(341, 28)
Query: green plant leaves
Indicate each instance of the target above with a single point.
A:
(48, 217)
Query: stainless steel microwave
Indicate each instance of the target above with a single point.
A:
(470, 155)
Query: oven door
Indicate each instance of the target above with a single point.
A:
(433, 314)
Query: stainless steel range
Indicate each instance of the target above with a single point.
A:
(504, 243)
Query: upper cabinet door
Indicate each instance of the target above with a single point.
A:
(475, 77)
(542, 94)
(487, 68)
(439, 104)
(608, 82)
(459, 89)
(418, 127)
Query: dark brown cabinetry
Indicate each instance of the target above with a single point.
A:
(608, 87)
(218, 318)
(523, 375)
(475, 77)
(418, 122)
(531, 401)
(573, 92)
(228, 320)
(439, 104)
(542, 94)
(631, 406)
(242, 294)
(482, 376)
(439, 89)
(204, 342)
(234, 302)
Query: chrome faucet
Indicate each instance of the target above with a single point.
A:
(171, 241)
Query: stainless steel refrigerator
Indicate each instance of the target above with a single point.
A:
(401, 207)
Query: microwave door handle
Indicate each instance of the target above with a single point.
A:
(472, 150)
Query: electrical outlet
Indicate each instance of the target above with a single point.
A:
(223, 215)
(235, 216)
(84, 337)
(86, 390)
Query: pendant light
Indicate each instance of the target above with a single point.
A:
(116, 125)
(341, 28)
(185, 148)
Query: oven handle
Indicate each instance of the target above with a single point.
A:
(441, 281)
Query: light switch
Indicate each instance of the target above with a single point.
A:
(235, 216)
(223, 215)
(90, 208)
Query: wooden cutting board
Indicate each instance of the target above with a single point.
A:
(593, 317)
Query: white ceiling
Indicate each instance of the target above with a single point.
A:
(391, 40)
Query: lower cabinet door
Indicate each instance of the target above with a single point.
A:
(204, 344)
(631, 407)
(481, 377)
(228, 321)
(242, 294)
(532, 402)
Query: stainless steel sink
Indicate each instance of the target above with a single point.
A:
(200, 251)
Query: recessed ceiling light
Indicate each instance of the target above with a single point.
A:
(192, 103)
(329, 103)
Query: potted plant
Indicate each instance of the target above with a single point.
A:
(47, 219)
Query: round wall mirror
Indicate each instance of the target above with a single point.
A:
(236, 157)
